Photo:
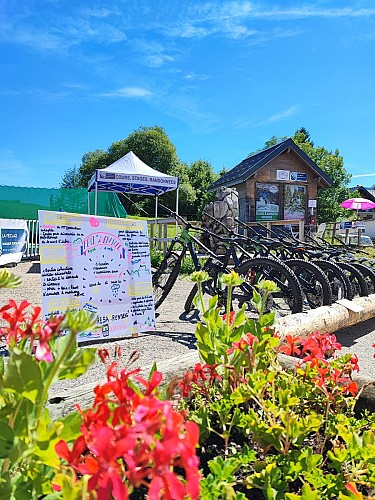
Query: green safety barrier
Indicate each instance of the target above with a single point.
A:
(24, 202)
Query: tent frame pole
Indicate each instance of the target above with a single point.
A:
(88, 202)
(177, 193)
(96, 198)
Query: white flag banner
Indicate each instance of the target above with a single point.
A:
(101, 264)
(13, 240)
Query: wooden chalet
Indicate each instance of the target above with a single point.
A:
(278, 183)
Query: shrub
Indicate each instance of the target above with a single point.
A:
(129, 441)
(263, 431)
(268, 432)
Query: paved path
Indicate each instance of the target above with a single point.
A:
(175, 330)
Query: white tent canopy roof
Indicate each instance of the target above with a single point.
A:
(129, 174)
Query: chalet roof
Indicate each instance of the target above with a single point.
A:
(253, 163)
(365, 193)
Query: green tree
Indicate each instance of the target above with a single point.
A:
(70, 179)
(152, 145)
(332, 163)
(92, 161)
(201, 175)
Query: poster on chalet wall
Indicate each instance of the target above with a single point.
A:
(101, 264)
(267, 201)
(294, 202)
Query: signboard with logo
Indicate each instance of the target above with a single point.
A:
(100, 264)
(298, 176)
(267, 201)
(282, 175)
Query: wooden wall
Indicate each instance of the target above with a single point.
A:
(286, 161)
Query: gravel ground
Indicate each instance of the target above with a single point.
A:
(174, 335)
(175, 331)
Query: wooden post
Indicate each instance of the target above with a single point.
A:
(333, 232)
(152, 233)
(160, 229)
(301, 235)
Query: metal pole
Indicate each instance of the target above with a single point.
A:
(96, 198)
(88, 202)
(177, 192)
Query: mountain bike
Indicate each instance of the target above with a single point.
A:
(287, 300)
(347, 278)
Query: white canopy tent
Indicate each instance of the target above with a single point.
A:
(131, 175)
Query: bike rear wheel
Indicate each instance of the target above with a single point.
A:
(368, 273)
(315, 286)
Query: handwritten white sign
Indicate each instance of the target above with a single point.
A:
(100, 264)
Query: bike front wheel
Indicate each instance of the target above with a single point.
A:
(340, 284)
(165, 277)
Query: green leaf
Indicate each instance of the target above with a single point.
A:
(63, 341)
(268, 319)
(152, 371)
(212, 302)
(23, 376)
(71, 426)
(8, 279)
(307, 494)
(78, 364)
(6, 439)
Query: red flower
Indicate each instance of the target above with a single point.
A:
(231, 317)
(201, 378)
(351, 388)
(131, 439)
(293, 347)
(245, 342)
(24, 322)
(319, 345)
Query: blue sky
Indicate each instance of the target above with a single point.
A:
(221, 77)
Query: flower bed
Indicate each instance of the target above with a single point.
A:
(238, 425)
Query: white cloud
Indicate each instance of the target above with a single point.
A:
(157, 60)
(153, 53)
(129, 92)
(10, 167)
(231, 19)
(196, 77)
(363, 175)
(281, 115)
(100, 12)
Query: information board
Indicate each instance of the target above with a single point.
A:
(101, 264)
(13, 240)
